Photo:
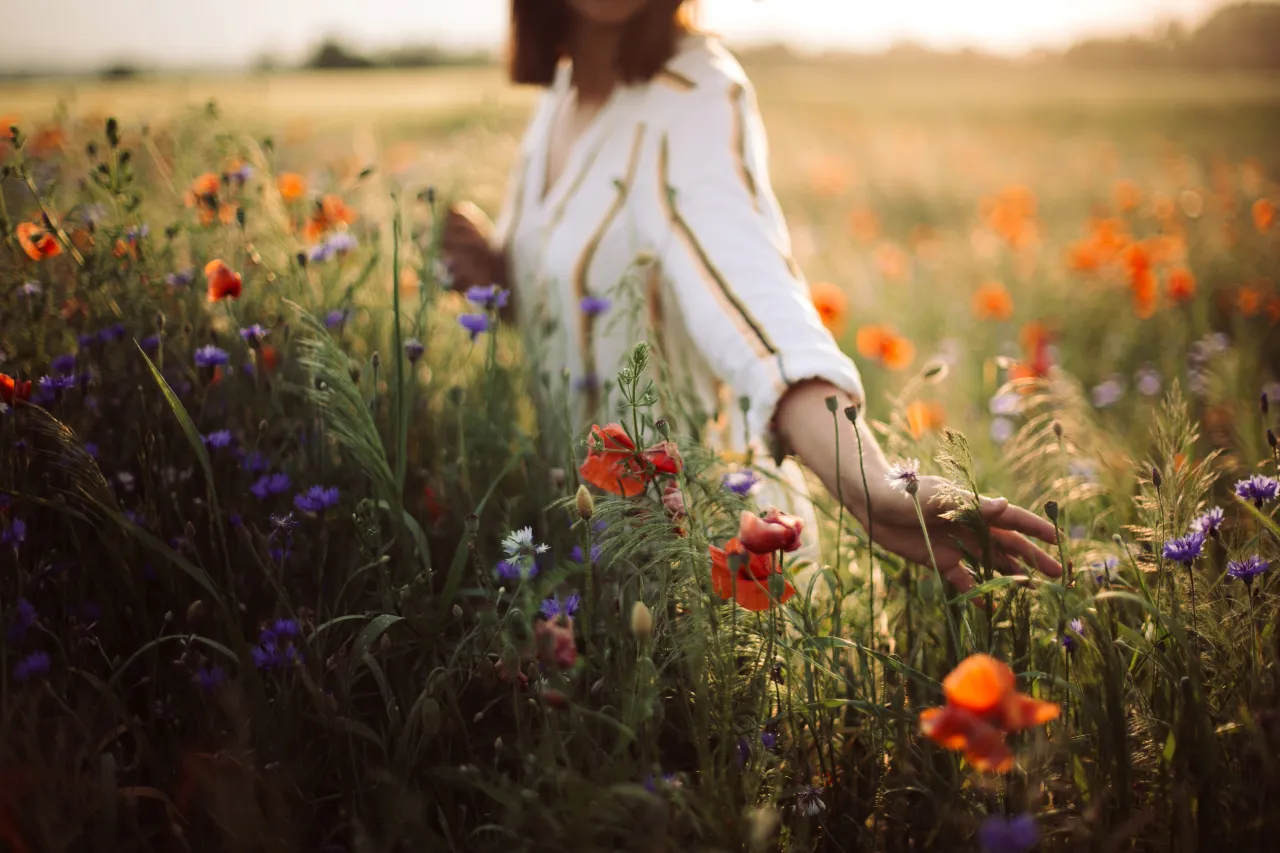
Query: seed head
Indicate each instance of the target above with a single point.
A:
(1156, 479)
(584, 503)
(1051, 510)
(641, 621)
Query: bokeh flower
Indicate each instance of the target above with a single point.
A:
(32, 666)
(881, 343)
(476, 324)
(38, 241)
(740, 482)
(223, 282)
(924, 417)
(1016, 834)
(992, 301)
(591, 306)
(1181, 284)
(291, 185)
(832, 305)
(488, 296)
(211, 356)
(209, 678)
(317, 499)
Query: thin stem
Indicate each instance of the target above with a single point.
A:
(852, 414)
(951, 619)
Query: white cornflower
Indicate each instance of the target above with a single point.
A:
(904, 476)
(521, 544)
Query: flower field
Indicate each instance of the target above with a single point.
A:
(285, 564)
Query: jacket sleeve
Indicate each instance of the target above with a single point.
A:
(724, 247)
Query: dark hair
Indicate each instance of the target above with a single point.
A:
(539, 39)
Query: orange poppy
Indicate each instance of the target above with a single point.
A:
(12, 390)
(269, 358)
(1012, 215)
(883, 344)
(223, 282)
(330, 212)
(925, 417)
(204, 189)
(1273, 310)
(832, 304)
(864, 225)
(1144, 289)
(1181, 284)
(1249, 300)
(892, 262)
(38, 241)
(738, 574)
(1128, 196)
(775, 531)
(992, 302)
(1035, 338)
(956, 729)
(611, 462)
(1264, 214)
(292, 186)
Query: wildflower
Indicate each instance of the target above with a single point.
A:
(516, 571)
(210, 677)
(555, 642)
(291, 185)
(33, 665)
(476, 324)
(211, 356)
(24, 617)
(413, 350)
(592, 306)
(30, 288)
(336, 319)
(611, 463)
(1248, 568)
(223, 282)
(316, 499)
(740, 482)
(282, 524)
(1002, 429)
(1184, 549)
(575, 553)
(1209, 522)
(319, 253)
(1104, 572)
(1006, 404)
(181, 278)
(270, 653)
(50, 384)
(553, 607)
(641, 621)
(775, 531)
(330, 212)
(219, 439)
(254, 334)
(1258, 489)
(1264, 214)
(1009, 835)
(1075, 626)
(1108, 393)
(738, 574)
(38, 241)
(883, 344)
(832, 305)
(809, 802)
(1147, 380)
(239, 172)
(904, 476)
(1181, 284)
(925, 417)
(992, 302)
(983, 705)
(768, 739)
(15, 534)
(673, 501)
(150, 344)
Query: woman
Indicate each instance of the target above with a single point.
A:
(640, 207)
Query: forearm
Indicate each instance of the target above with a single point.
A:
(829, 444)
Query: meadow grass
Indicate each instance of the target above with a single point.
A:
(279, 603)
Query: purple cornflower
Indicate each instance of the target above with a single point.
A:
(515, 570)
(256, 463)
(31, 288)
(768, 739)
(52, 384)
(219, 440)
(488, 296)
(743, 750)
(1009, 835)
(86, 340)
(1147, 380)
(91, 449)
(336, 319)
(112, 333)
(1209, 522)
(1069, 642)
(15, 534)
(413, 350)
(1248, 568)
(240, 175)
(63, 364)
(34, 664)
(269, 653)
(476, 324)
(1184, 549)
(1258, 489)
(254, 334)
(809, 802)
(741, 482)
(576, 553)
(181, 278)
(150, 344)
(1002, 429)
(316, 499)
(589, 382)
(342, 242)
(210, 677)
(319, 253)
(270, 484)
(1108, 393)
(594, 306)
(553, 607)
(24, 616)
(211, 356)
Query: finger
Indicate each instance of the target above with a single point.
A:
(1018, 545)
(999, 513)
(958, 576)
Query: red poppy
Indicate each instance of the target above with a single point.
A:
(223, 282)
(12, 390)
(269, 358)
(611, 462)
(38, 241)
(664, 457)
(775, 531)
(738, 574)
(954, 728)
(554, 639)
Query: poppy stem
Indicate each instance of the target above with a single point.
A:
(852, 414)
(951, 619)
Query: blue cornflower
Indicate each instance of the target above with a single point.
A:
(1209, 522)
(220, 439)
(86, 340)
(336, 319)
(34, 664)
(285, 627)
(319, 253)
(24, 616)
(588, 382)
(15, 534)
(741, 482)
(261, 488)
(1248, 568)
(413, 350)
(150, 344)
(594, 306)
(742, 751)
(316, 499)
(1258, 489)
(1069, 642)
(255, 463)
(576, 553)
(254, 334)
(342, 242)
(209, 678)
(242, 174)
(1009, 835)
(280, 483)
(553, 607)
(515, 570)
(1184, 549)
(488, 296)
(63, 364)
(112, 333)
(275, 650)
(53, 384)
(768, 739)
(91, 449)
(181, 278)
(476, 324)
(211, 356)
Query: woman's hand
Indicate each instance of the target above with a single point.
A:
(468, 248)
(806, 423)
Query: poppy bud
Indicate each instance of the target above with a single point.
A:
(641, 621)
(1156, 479)
(1057, 429)
(376, 359)
(195, 612)
(851, 412)
(457, 611)
(832, 403)
(1051, 510)
(664, 427)
(301, 258)
(584, 503)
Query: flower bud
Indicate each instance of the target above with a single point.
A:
(1051, 510)
(833, 403)
(913, 486)
(1156, 479)
(641, 621)
(1057, 429)
(584, 503)
(376, 359)
(195, 612)
(851, 412)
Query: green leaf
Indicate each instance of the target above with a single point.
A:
(375, 629)
(989, 586)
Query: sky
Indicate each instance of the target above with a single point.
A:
(81, 34)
